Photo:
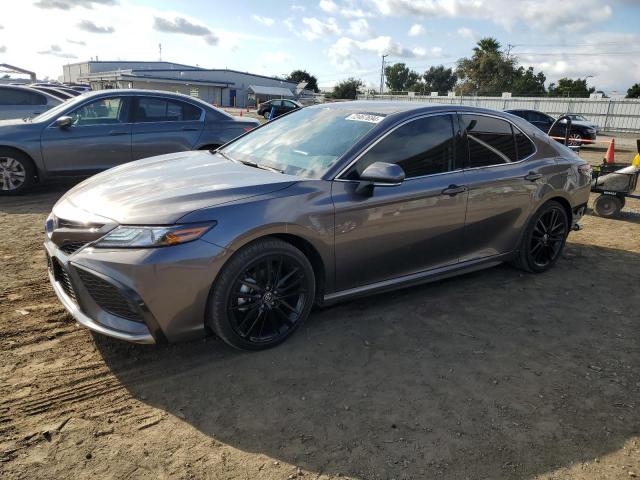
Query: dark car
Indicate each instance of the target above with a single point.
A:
(579, 130)
(281, 106)
(56, 92)
(99, 130)
(326, 203)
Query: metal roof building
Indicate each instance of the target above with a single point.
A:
(223, 87)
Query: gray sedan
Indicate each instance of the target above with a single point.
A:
(323, 204)
(100, 130)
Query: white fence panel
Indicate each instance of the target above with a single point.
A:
(619, 115)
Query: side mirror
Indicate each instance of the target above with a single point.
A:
(381, 173)
(63, 122)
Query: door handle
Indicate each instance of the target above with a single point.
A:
(189, 129)
(115, 133)
(533, 176)
(453, 190)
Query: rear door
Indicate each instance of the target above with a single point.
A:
(163, 125)
(502, 183)
(99, 138)
(407, 228)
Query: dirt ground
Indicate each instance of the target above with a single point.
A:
(496, 374)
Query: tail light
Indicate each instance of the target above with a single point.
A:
(248, 129)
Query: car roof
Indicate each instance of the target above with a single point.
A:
(33, 90)
(402, 108)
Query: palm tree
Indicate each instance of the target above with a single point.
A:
(487, 45)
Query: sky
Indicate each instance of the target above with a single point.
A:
(332, 39)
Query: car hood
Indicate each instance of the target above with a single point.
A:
(10, 127)
(160, 190)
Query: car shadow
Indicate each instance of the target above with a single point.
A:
(40, 199)
(489, 375)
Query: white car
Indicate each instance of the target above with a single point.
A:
(22, 102)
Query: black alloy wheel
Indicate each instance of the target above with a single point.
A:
(544, 239)
(262, 295)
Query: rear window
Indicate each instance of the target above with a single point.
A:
(490, 140)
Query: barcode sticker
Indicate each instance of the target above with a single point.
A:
(365, 117)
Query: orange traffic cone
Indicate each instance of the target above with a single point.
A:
(240, 112)
(609, 157)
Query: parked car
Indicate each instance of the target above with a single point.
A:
(579, 131)
(577, 119)
(281, 106)
(23, 102)
(56, 92)
(327, 203)
(99, 130)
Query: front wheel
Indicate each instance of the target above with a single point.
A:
(263, 294)
(543, 239)
(17, 173)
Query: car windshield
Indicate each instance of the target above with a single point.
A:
(577, 117)
(304, 143)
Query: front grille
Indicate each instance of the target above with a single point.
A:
(72, 247)
(108, 296)
(64, 223)
(61, 276)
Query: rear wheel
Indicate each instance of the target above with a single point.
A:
(575, 139)
(543, 239)
(263, 294)
(607, 206)
(17, 173)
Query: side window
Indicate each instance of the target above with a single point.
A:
(160, 110)
(102, 111)
(490, 140)
(524, 146)
(276, 103)
(421, 147)
(14, 96)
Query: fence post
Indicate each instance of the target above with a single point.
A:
(606, 117)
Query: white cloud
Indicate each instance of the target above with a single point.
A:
(417, 30)
(345, 51)
(272, 62)
(360, 28)
(264, 20)
(298, 8)
(543, 15)
(328, 6)
(465, 32)
(316, 28)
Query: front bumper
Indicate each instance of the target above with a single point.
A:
(165, 290)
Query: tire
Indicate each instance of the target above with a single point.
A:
(262, 295)
(266, 115)
(543, 239)
(575, 139)
(17, 172)
(607, 206)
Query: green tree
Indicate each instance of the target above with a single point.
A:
(348, 88)
(527, 82)
(439, 79)
(634, 91)
(400, 78)
(304, 76)
(488, 71)
(567, 87)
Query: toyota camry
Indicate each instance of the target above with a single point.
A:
(323, 204)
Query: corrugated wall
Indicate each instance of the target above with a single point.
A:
(621, 115)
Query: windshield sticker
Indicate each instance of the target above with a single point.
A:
(365, 117)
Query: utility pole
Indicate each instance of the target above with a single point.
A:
(509, 47)
(382, 74)
(160, 51)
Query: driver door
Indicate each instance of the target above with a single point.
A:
(98, 139)
(407, 228)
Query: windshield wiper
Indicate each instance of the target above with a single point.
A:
(249, 163)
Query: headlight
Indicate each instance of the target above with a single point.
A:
(126, 236)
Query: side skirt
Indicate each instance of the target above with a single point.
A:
(417, 278)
